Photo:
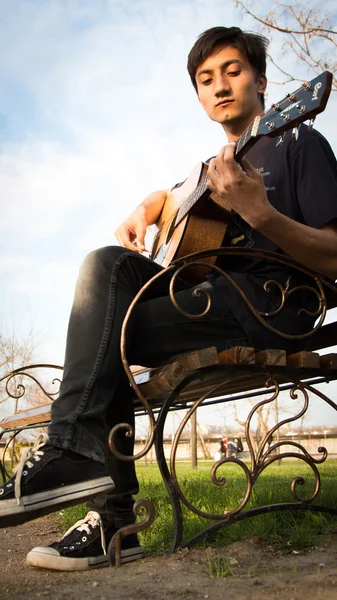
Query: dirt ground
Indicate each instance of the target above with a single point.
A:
(258, 572)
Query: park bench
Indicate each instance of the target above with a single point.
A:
(206, 377)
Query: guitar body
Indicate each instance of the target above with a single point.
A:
(202, 228)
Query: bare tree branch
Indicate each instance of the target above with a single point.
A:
(268, 23)
(308, 33)
(15, 352)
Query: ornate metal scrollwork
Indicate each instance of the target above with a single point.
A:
(16, 386)
(261, 458)
(285, 291)
(143, 508)
(20, 389)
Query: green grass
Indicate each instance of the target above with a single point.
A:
(219, 567)
(286, 530)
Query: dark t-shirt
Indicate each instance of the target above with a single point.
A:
(301, 182)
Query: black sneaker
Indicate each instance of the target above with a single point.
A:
(47, 479)
(83, 547)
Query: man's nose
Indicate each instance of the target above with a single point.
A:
(222, 86)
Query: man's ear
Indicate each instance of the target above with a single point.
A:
(261, 83)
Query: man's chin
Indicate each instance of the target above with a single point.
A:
(229, 120)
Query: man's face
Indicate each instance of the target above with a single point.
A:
(228, 89)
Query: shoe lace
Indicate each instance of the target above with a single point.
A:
(92, 519)
(28, 456)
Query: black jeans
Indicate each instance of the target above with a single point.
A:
(95, 393)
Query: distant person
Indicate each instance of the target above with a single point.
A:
(239, 445)
(223, 447)
(231, 447)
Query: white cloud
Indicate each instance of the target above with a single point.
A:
(10, 264)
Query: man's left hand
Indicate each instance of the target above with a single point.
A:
(241, 186)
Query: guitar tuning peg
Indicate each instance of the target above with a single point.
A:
(280, 140)
(311, 124)
(295, 132)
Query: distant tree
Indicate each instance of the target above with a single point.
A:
(15, 352)
(262, 421)
(214, 428)
(22, 390)
(309, 32)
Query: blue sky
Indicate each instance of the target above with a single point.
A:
(96, 111)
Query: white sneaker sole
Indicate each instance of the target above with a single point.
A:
(49, 558)
(36, 505)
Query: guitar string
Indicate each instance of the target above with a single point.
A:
(190, 200)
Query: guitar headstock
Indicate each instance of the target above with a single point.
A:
(305, 103)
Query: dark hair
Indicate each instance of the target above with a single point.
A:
(251, 45)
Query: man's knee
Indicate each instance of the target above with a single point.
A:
(102, 259)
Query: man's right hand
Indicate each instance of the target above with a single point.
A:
(131, 233)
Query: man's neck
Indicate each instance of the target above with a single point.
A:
(231, 136)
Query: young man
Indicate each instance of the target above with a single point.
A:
(286, 202)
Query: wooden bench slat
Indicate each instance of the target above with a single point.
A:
(238, 355)
(303, 360)
(165, 380)
(198, 359)
(27, 417)
(156, 382)
(271, 358)
(328, 361)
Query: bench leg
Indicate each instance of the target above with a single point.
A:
(164, 470)
(139, 507)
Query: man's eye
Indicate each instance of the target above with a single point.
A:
(234, 73)
(206, 82)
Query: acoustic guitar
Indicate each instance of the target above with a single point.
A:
(193, 218)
